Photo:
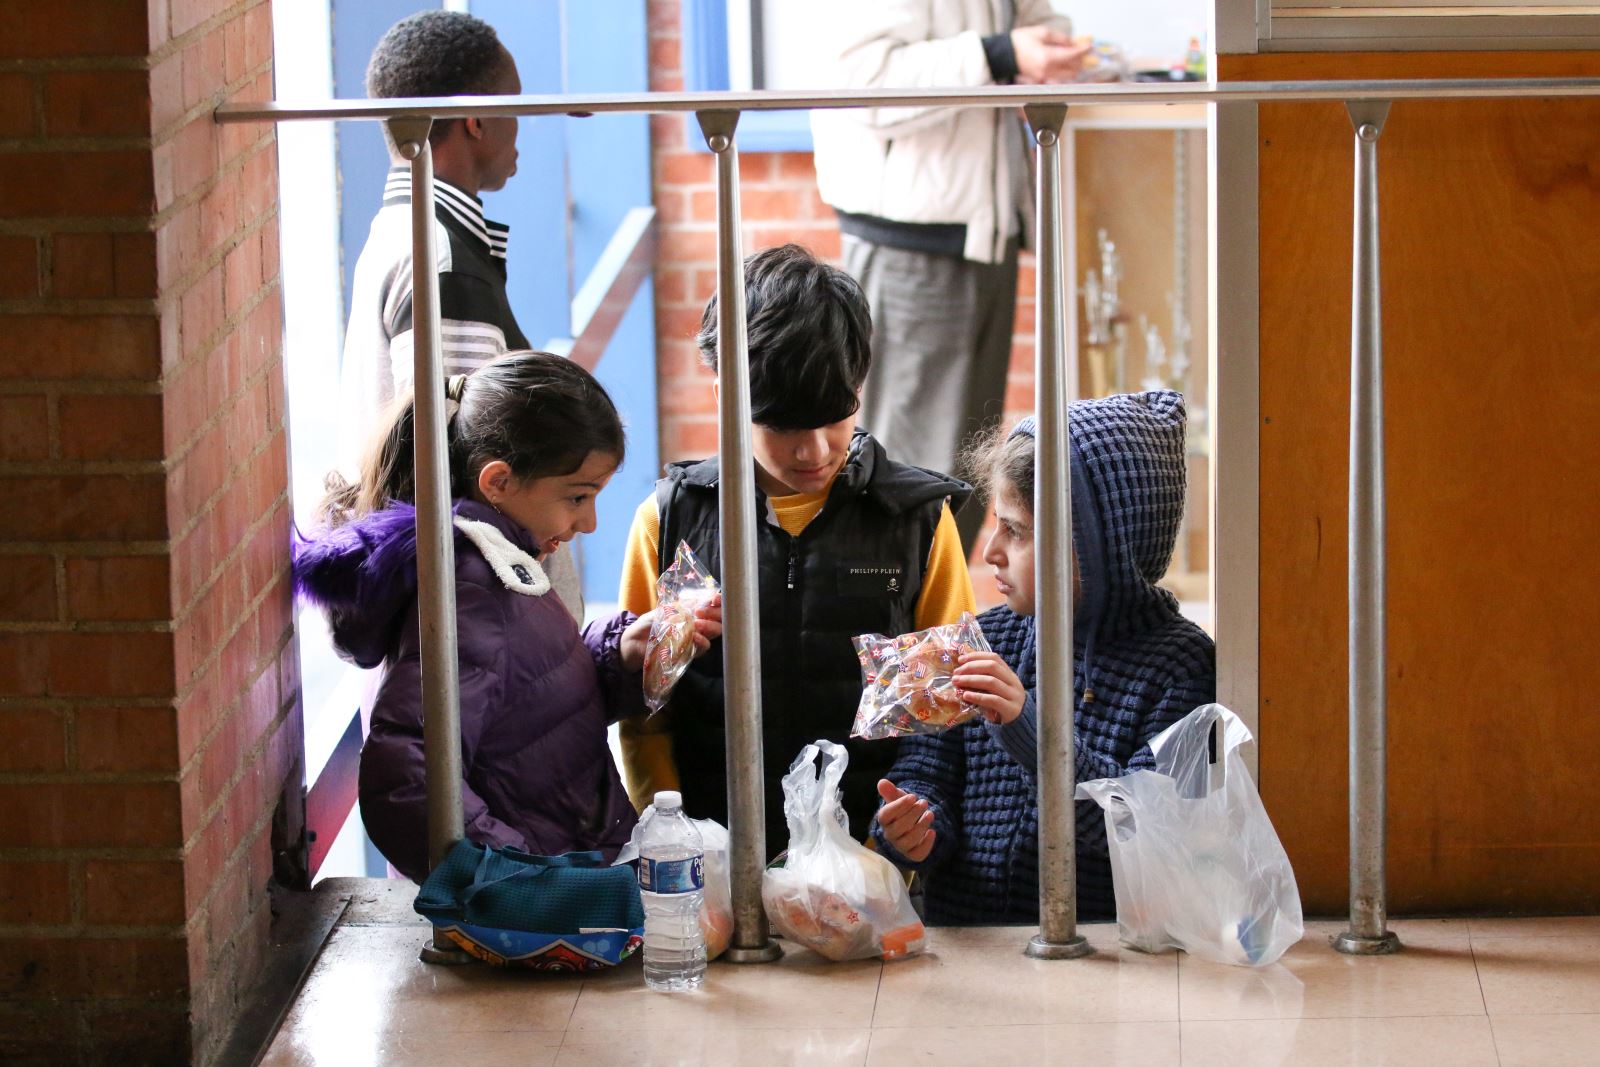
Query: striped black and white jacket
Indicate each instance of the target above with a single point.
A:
(476, 321)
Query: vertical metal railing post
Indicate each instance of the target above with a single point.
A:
(741, 618)
(436, 566)
(1367, 935)
(1055, 382)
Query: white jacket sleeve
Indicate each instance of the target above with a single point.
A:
(891, 44)
(1039, 12)
(888, 44)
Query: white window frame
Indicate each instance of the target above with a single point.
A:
(1250, 26)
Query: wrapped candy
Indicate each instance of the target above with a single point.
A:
(905, 681)
(833, 894)
(682, 589)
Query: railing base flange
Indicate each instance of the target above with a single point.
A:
(1353, 944)
(443, 953)
(1074, 947)
(768, 953)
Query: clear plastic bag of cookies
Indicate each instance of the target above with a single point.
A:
(832, 893)
(682, 589)
(905, 681)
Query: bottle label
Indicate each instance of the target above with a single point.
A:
(672, 876)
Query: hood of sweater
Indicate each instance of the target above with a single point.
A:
(364, 574)
(1128, 483)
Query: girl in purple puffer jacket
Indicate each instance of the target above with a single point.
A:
(532, 441)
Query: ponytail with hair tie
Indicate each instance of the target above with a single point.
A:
(455, 386)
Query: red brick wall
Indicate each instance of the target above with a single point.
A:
(147, 688)
(779, 203)
(779, 200)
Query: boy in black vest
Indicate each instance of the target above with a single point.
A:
(848, 542)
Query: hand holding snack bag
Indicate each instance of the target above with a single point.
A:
(682, 589)
(716, 900)
(833, 894)
(906, 681)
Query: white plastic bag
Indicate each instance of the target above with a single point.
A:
(716, 901)
(1195, 863)
(834, 894)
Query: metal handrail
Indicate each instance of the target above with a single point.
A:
(451, 107)
(1056, 362)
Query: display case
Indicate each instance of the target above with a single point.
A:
(1137, 257)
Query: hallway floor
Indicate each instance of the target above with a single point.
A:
(1463, 993)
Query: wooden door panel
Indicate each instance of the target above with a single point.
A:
(1491, 282)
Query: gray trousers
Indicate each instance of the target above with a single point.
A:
(941, 346)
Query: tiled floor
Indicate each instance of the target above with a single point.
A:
(1464, 993)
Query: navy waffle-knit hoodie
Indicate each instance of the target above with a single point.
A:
(1138, 667)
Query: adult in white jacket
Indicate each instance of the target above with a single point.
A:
(934, 204)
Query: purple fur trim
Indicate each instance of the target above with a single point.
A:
(347, 567)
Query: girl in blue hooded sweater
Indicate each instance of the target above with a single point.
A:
(962, 807)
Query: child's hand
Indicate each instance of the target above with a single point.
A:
(631, 647)
(707, 624)
(907, 822)
(707, 628)
(983, 680)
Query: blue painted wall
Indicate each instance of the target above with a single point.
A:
(534, 202)
(608, 163)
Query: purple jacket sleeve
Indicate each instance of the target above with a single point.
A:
(394, 800)
(623, 689)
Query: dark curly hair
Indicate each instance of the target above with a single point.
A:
(436, 53)
(810, 333)
(998, 463)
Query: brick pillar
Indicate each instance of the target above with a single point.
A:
(148, 695)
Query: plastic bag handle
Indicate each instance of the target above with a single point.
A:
(1121, 816)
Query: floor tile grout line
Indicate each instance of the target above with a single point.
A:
(1477, 972)
(1314, 1018)
(877, 995)
(872, 1036)
(1177, 977)
(566, 1027)
(1494, 1041)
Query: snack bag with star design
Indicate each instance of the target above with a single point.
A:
(682, 589)
(832, 893)
(906, 686)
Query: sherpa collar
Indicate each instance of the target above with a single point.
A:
(515, 568)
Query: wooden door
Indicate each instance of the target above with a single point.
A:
(1491, 319)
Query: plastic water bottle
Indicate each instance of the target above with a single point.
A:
(671, 880)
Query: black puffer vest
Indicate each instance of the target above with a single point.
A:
(856, 568)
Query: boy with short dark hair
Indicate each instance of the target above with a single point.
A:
(433, 53)
(436, 53)
(851, 542)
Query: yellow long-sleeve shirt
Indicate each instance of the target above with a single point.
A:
(647, 764)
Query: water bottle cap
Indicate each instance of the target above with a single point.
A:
(668, 800)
